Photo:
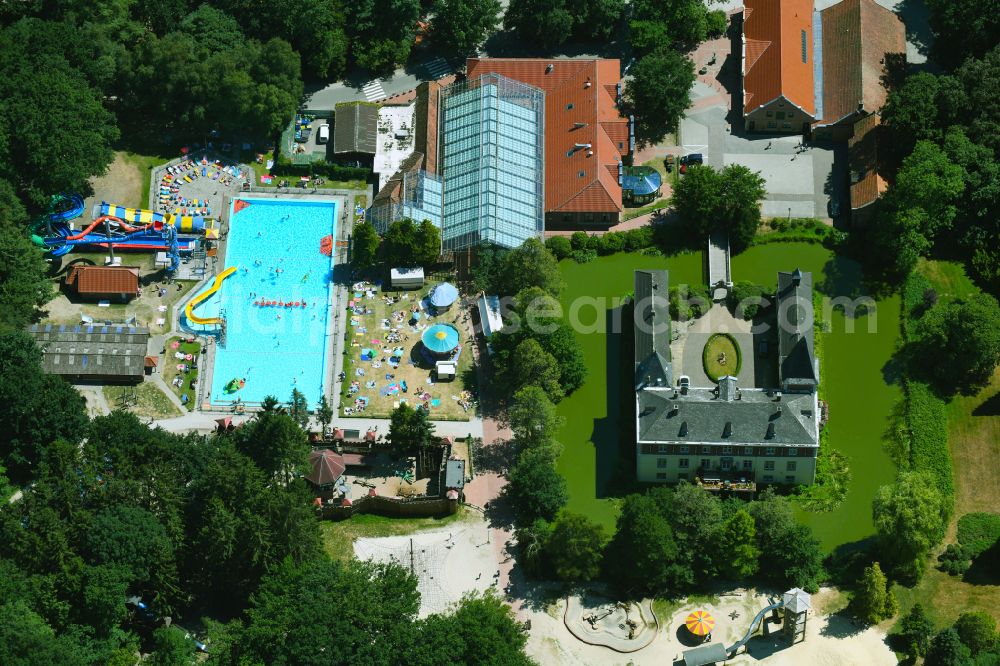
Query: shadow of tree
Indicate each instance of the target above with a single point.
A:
(496, 457)
(842, 625)
(988, 407)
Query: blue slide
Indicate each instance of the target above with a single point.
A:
(144, 239)
(66, 207)
(753, 628)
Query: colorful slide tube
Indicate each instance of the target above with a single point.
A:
(183, 223)
(146, 239)
(189, 308)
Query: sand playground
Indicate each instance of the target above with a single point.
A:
(830, 640)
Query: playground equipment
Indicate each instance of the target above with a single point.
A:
(794, 606)
(189, 308)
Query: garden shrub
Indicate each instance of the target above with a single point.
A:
(579, 240)
(559, 246)
(584, 256)
(689, 302)
(977, 532)
(283, 166)
(955, 560)
(638, 239)
(753, 298)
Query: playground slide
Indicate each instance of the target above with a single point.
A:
(731, 650)
(188, 309)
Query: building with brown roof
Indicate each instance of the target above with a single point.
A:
(779, 84)
(865, 163)
(860, 39)
(118, 283)
(585, 134)
(816, 72)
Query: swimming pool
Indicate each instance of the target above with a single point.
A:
(275, 246)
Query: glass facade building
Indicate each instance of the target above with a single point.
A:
(419, 199)
(491, 141)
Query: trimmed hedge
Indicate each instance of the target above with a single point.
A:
(927, 420)
(977, 532)
(284, 167)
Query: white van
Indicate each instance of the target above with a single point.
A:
(324, 134)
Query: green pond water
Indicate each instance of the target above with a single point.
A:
(593, 463)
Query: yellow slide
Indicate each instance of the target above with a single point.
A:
(204, 295)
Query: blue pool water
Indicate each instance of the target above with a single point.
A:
(275, 246)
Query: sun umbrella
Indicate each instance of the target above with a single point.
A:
(700, 623)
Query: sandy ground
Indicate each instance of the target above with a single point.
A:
(122, 184)
(831, 640)
(448, 563)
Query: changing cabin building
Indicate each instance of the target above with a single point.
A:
(90, 353)
(725, 432)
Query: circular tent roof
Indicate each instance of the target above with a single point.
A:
(440, 338)
(326, 467)
(444, 295)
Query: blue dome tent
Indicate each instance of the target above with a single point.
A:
(444, 296)
(440, 339)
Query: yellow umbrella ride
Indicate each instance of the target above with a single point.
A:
(700, 623)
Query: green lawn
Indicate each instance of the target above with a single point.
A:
(339, 536)
(595, 460)
(168, 368)
(721, 357)
(974, 442)
(145, 400)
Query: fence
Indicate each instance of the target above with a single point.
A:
(394, 507)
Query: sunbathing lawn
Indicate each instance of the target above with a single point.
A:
(169, 369)
(598, 415)
(367, 331)
(149, 401)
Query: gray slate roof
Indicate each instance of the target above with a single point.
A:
(651, 319)
(355, 128)
(796, 356)
(703, 417)
(454, 474)
(713, 653)
(112, 351)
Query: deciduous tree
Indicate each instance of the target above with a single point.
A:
(642, 557)
(910, 517)
(977, 631)
(659, 93)
(738, 553)
(575, 548)
(459, 27)
(410, 428)
(533, 417)
(535, 488)
(946, 649)
(364, 246)
(964, 338)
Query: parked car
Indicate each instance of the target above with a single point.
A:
(693, 158)
(324, 134)
(834, 207)
(302, 135)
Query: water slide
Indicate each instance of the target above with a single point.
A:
(145, 238)
(188, 309)
(183, 223)
(731, 650)
(66, 207)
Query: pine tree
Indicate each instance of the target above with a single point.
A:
(874, 602)
(738, 546)
(916, 631)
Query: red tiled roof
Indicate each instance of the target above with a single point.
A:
(575, 114)
(773, 66)
(857, 36)
(104, 279)
(867, 183)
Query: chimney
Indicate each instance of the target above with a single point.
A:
(579, 125)
(675, 409)
(777, 410)
(548, 67)
(587, 84)
(770, 431)
(580, 146)
(727, 388)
